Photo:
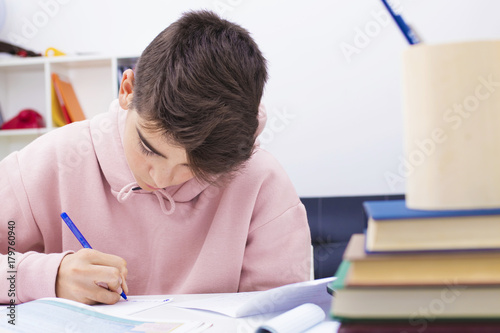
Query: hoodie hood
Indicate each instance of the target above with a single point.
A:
(107, 131)
(107, 136)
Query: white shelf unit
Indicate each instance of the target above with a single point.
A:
(25, 83)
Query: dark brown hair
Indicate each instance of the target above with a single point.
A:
(200, 83)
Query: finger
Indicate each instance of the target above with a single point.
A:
(99, 258)
(95, 257)
(103, 295)
(106, 276)
(124, 274)
(124, 285)
(105, 286)
(102, 285)
(116, 288)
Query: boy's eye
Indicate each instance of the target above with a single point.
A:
(145, 150)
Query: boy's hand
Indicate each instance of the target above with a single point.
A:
(89, 276)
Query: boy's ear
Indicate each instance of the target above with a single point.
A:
(126, 89)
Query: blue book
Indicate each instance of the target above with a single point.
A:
(393, 227)
(397, 209)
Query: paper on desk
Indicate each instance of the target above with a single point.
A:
(297, 320)
(257, 302)
(132, 306)
(47, 315)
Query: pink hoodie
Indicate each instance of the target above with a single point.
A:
(191, 238)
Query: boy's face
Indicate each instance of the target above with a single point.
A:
(154, 162)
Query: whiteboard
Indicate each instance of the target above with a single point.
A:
(334, 95)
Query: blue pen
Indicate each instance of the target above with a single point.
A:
(410, 35)
(80, 237)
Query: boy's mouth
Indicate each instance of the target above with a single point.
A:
(152, 187)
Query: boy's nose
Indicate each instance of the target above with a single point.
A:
(162, 178)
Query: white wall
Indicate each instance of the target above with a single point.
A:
(334, 91)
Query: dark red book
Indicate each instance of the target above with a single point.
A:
(421, 326)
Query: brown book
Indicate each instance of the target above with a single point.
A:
(420, 268)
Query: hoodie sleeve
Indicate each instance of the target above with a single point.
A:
(278, 252)
(27, 272)
(278, 246)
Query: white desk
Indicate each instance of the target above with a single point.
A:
(221, 323)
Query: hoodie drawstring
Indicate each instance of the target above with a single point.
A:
(127, 190)
(160, 194)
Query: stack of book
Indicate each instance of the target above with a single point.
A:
(420, 271)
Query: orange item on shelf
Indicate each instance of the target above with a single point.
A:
(68, 101)
(59, 118)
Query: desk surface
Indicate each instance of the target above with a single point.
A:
(221, 323)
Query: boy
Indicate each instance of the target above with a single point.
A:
(168, 186)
